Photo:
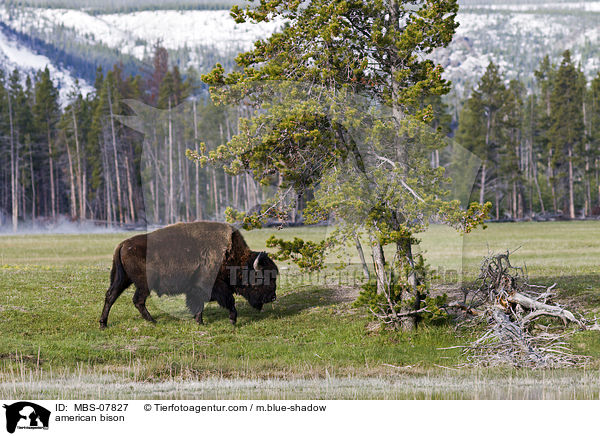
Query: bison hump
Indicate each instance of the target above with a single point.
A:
(185, 256)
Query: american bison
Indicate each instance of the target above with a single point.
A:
(206, 261)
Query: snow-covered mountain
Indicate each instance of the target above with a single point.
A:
(516, 35)
(63, 39)
(14, 55)
(134, 33)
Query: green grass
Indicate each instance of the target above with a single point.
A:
(52, 289)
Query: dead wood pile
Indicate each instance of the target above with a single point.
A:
(520, 318)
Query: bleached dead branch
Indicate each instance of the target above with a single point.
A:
(513, 309)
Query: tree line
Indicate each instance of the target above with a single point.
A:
(540, 150)
(77, 159)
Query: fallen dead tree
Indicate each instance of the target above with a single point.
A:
(519, 320)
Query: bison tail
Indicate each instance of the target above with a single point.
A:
(118, 277)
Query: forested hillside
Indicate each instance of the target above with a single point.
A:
(81, 39)
(539, 150)
(78, 34)
(79, 161)
(64, 153)
(516, 36)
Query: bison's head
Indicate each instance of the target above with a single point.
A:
(262, 280)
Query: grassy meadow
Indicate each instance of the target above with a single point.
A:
(309, 343)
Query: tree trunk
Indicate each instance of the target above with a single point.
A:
(22, 189)
(588, 183)
(108, 188)
(586, 177)
(156, 193)
(534, 175)
(73, 198)
(186, 186)
(197, 167)
(597, 165)
(168, 185)
(215, 194)
(482, 183)
(551, 183)
(520, 203)
(84, 193)
(129, 191)
(51, 164)
(497, 196)
(13, 171)
(379, 264)
(33, 193)
(171, 199)
(571, 187)
(80, 185)
(236, 191)
(404, 252)
(404, 249)
(514, 200)
(361, 255)
(114, 143)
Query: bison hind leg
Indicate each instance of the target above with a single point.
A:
(116, 289)
(139, 300)
(195, 304)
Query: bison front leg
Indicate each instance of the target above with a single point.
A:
(196, 305)
(233, 313)
(139, 300)
(223, 294)
(231, 307)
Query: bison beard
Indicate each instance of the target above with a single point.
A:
(206, 261)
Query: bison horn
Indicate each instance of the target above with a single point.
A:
(258, 259)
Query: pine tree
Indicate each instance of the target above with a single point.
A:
(594, 135)
(441, 121)
(21, 120)
(374, 48)
(566, 128)
(534, 151)
(32, 148)
(13, 91)
(479, 126)
(588, 152)
(94, 151)
(545, 79)
(46, 112)
(160, 63)
(71, 124)
(471, 132)
(511, 154)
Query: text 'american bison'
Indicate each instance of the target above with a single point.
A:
(206, 261)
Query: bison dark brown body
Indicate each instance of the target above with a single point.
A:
(203, 260)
